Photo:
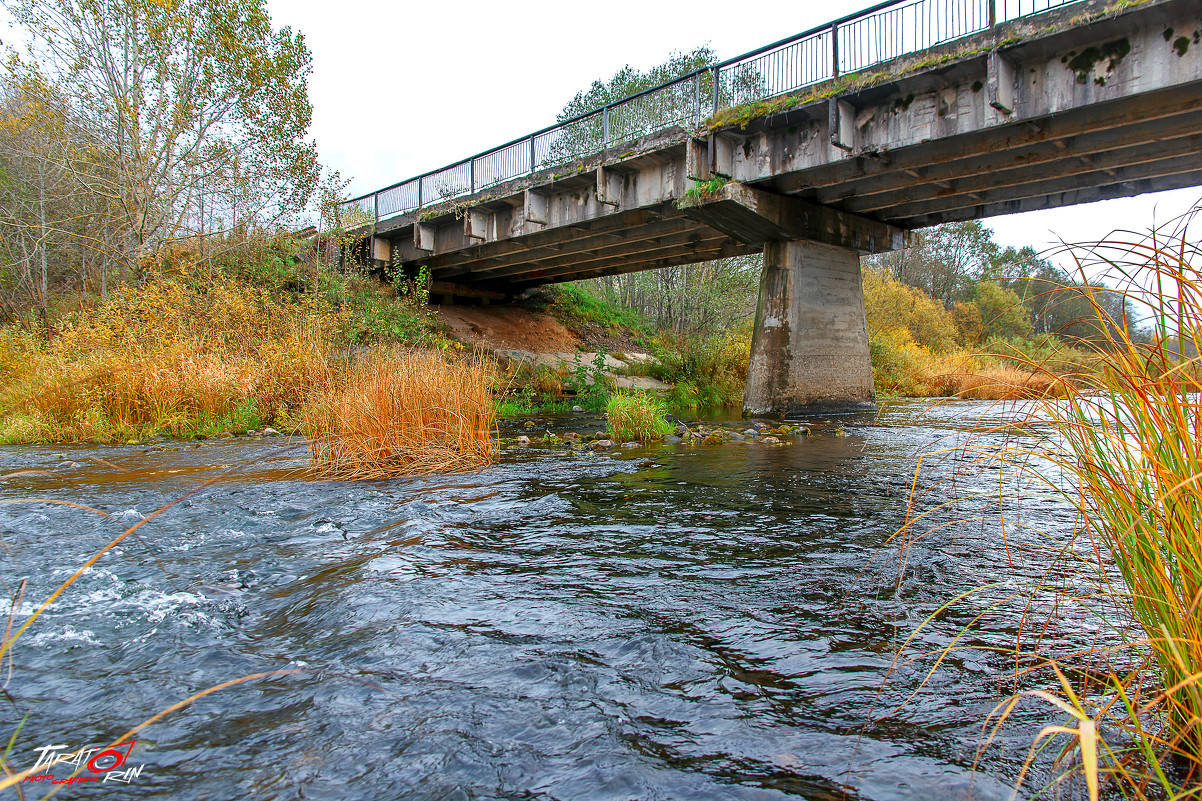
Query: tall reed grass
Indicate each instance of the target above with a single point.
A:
(399, 411)
(1124, 448)
(637, 417)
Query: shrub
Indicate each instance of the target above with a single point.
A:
(168, 358)
(707, 371)
(893, 306)
(400, 411)
(637, 417)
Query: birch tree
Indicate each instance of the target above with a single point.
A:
(182, 103)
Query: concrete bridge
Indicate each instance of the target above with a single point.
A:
(814, 150)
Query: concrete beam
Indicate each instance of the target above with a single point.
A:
(757, 217)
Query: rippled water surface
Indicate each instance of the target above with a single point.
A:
(659, 623)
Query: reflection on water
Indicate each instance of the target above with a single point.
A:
(657, 624)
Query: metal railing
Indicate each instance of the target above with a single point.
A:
(848, 45)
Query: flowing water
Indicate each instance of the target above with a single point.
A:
(659, 623)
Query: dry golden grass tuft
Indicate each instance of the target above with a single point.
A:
(997, 383)
(399, 411)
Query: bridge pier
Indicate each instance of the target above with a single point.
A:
(809, 352)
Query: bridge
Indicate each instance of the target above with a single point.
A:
(814, 150)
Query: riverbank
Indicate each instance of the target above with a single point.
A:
(184, 359)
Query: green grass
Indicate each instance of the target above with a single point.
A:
(513, 406)
(574, 304)
(637, 417)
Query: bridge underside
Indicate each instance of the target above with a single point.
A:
(1082, 104)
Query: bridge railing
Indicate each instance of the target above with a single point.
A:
(848, 45)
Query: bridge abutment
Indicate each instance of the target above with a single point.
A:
(809, 352)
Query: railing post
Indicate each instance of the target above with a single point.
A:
(605, 127)
(473, 162)
(532, 155)
(375, 203)
(992, 12)
(697, 99)
(714, 71)
(419, 193)
(835, 50)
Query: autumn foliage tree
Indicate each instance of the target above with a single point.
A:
(130, 126)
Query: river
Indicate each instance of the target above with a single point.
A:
(661, 623)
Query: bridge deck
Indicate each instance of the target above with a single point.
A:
(1086, 102)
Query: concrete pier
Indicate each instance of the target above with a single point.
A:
(810, 350)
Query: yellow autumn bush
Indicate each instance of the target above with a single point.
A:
(170, 358)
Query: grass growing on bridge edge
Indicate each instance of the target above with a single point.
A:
(1125, 451)
(398, 411)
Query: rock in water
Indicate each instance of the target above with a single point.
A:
(571, 436)
(672, 439)
(602, 444)
(523, 440)
(578, 409)
(629, 445)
